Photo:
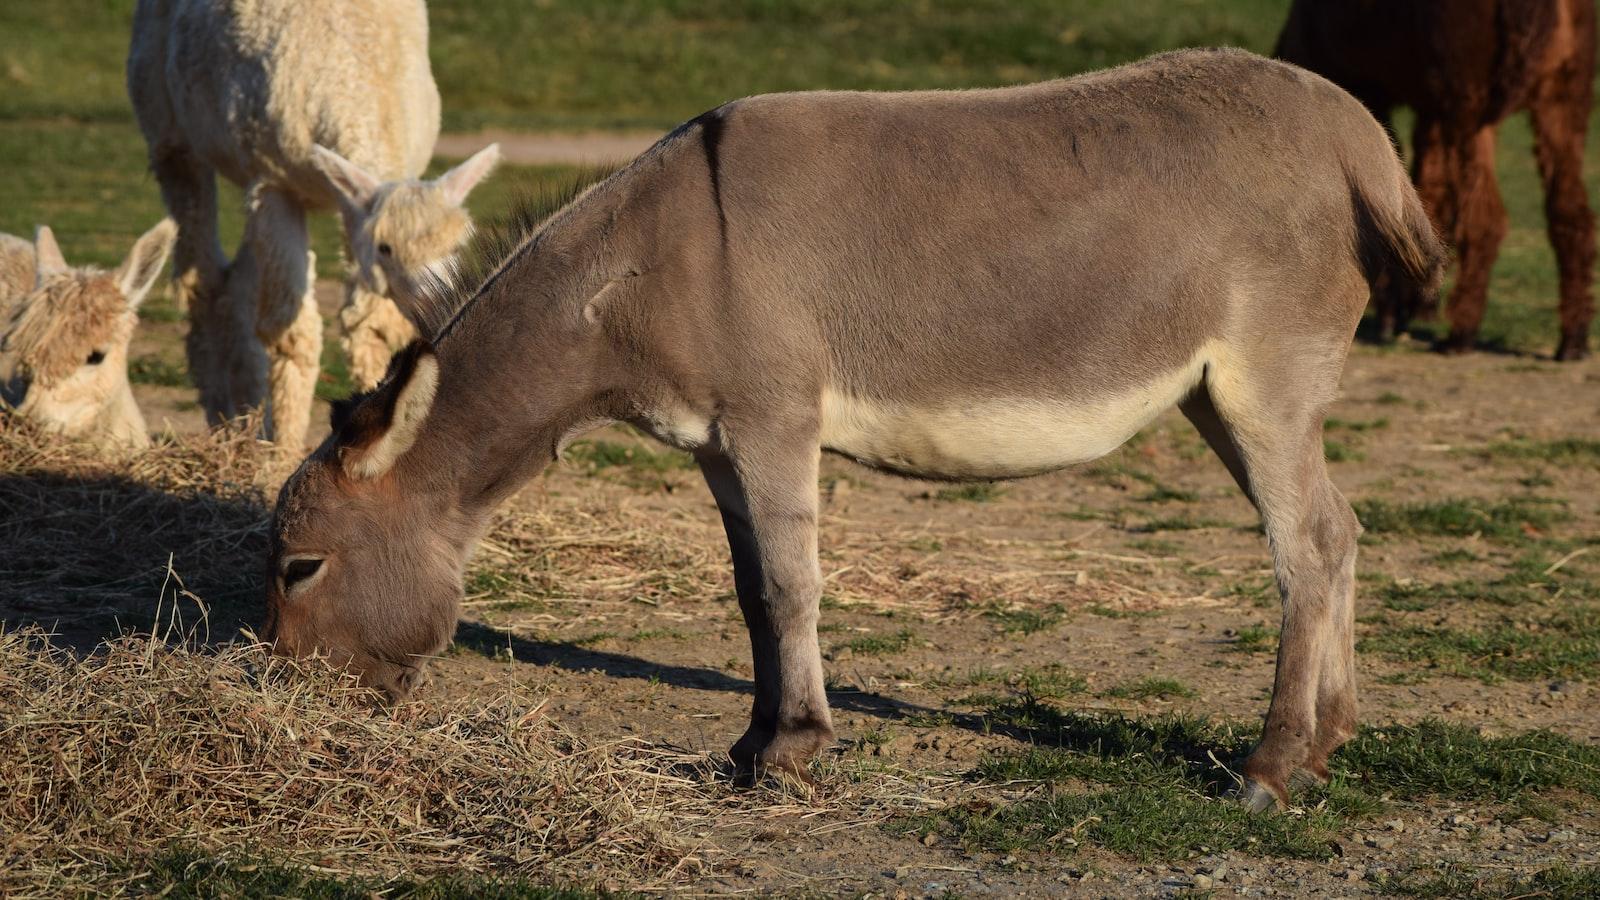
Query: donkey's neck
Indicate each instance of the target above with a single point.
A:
(523, 366)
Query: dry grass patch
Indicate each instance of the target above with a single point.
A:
(141, 747)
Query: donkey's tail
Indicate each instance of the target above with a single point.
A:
(1394, 237)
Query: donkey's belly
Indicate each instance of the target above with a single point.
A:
(996, 438)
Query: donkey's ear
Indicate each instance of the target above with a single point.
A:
(47, 258)
(138, 272)
(459, 181)
(380, 430)
(354, 184)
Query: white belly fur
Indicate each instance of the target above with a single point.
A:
(998, 438)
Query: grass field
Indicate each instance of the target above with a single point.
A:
(73, 159)
(1040, 687)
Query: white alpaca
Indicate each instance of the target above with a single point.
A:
(64, 336)
(307, 106)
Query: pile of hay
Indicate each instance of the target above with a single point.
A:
(143, 747)
(111, 750)
(92, 542)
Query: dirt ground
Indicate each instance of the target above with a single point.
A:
(1147, 564)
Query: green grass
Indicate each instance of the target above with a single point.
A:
(1050, 682)
(879, 644)
(1334, 424)
(1254, 639)
(1563, 451)
(1562, 644)
(1440, 759)
(1024, 620)
(1152, 788)
(1180, 522)
(572, 63)
(1152, 688)
(193, 876)
(600, 455)
(73, 159)
(977, 492)
(153, 369)
(1457, 882)
(1341, 451)
(1508, 519)
(1161, 493)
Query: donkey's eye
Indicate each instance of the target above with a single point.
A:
(96, 358)
(298, 570)
(385, 250)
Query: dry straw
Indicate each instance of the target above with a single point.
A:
(114, 750)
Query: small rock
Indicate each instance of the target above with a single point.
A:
(1561, 837)
(1202, 882)
(1220, 873)
(1459, 820)
(1381, 841)
(1395, 825)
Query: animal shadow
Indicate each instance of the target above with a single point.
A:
(90, 558)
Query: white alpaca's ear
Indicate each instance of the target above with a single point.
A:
(355, 185)
(47, 258)
(459, 181)
(384, 442)
(138, 272)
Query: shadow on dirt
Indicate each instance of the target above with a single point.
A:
(90, 558)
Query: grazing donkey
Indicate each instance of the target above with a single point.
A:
(1465, 66)
(961, 285)
(306, 106)
(64, 336)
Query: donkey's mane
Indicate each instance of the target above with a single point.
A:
(443, 300)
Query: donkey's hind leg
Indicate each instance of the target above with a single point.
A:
(287, 321)
(1269, 434)
(766, 489)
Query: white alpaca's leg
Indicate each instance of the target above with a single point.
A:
(372, 329)
(201, 276)
(286, 313)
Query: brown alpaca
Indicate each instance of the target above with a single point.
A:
(1465, 66)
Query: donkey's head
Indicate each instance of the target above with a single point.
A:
(404, 234)
(64, 342)
(360, 570)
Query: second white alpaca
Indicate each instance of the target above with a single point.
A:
(306, 106)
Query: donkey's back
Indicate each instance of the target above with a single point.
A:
(999, 282)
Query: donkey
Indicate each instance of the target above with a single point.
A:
(960, 285)
(1464, 67)
(64, 336)
(306, 106)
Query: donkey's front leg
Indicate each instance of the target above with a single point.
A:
(768, 498)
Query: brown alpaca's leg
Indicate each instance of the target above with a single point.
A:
(1433, 170)
(1560, 124)
(1481, 226)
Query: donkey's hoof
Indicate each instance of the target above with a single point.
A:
(1256, 797)
(788, 778)
(1305, 779)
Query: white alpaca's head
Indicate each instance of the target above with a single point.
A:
(404, 234)
(64, 341)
